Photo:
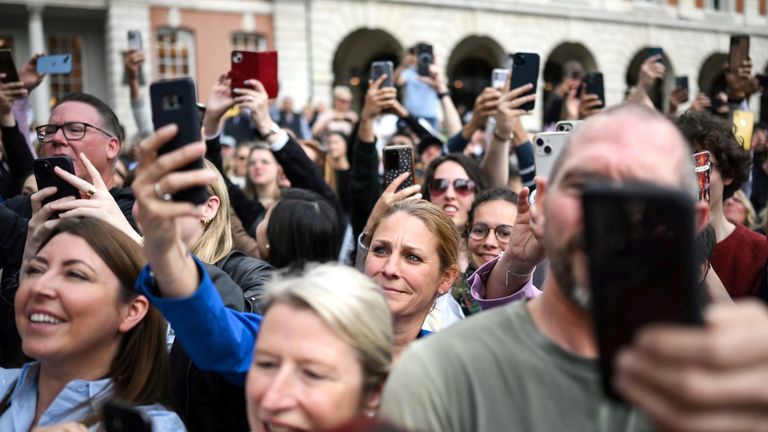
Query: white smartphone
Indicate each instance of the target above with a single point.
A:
(547, 147)
(499, 78)
(568, 125)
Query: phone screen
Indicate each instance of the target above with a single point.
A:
(640, 251)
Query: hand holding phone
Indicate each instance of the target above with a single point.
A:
(592, 85)
(59, 64)
(739, 52)
(398, 160)
(8, 67)
(260, 66)
(381, 68)
(424, 59)
(525, 70)
(46, 177)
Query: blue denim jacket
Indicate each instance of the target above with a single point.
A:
(68, 406)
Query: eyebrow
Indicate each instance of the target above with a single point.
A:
(406, 247)
(65, 263)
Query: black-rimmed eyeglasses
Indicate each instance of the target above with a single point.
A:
(72, 131)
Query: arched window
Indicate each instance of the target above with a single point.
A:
(175, 53)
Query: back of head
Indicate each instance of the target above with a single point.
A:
(109, 119)
(713, 134)
(303, 227)
(139, 370)
(350, 303)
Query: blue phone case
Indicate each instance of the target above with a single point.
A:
(54, 64)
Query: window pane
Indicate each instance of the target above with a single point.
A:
(175, 53)
(66, 83)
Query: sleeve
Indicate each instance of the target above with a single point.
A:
(456, 143)
(413, 397)
(216, 339)
(142, 116)
(13, 235)
(300, 170)
(526, 164)
(20, 113)
(213, 153)
(477, 288)
(18, 155)
(364, 184)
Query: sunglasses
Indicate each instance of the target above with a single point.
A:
(439, 186)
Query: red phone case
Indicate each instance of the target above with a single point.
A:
(255, 65)
(703, 170)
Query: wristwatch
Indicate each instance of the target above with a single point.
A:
(273, 129)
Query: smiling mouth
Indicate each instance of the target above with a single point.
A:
(271, 427)
(450, 210)
(41, 318)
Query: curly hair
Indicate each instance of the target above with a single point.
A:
(707, 132)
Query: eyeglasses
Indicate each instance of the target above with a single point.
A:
(73, 131)
(479, 231)
(439, 186)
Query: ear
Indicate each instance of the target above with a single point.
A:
(211, 207)
(702, 215)
(447, 280)
(133, 313)
(373, 400)
(113, 149)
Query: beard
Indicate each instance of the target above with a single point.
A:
(563, 263)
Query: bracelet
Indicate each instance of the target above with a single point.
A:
(499, 137)
(517, 275)
(443, 94)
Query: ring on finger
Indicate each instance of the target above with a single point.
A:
(91, 192)
(165, 196)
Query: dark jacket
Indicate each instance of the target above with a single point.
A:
(250, 274)
(17, 163)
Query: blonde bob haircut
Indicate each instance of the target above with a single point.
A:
(350, 303)
(216, 241)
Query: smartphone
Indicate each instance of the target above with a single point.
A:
(763, 80)
(424, 58)
(379, 68)
(122, 417)
(45, 177)
(568, 125)
(681, 82)
(743, 123)
(174, 101)
(715, 103)
(134, 40)
(641, 263)
(398, 159)
(499, 78)
(703, 170)
(593, 84)
(656, 51)
(255, 65)
(8, 67)
(739, 51)
(58, 64)
(525, 70)
(547, 147)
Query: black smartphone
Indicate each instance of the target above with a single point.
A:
(45, 177)
(379, 68)
(656, 51)
(681, 82)
(593, 84)
(134, 40)
(122, 417)
(739, 51)
(8, 67)
(639, 241)
(397, 160)
(763, 80)
(174, 101)
(525, 70)
(424, 58)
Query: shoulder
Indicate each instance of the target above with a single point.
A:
(8, 378)
(757, 242)
(162, 418)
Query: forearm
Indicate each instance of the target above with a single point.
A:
(365, 130)
(495, 162)
(365, 185)
(173, 267)
(502, 282)
(17, 152)
(452, 120)
(141, 116)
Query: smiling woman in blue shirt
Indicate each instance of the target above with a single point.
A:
(93, 338)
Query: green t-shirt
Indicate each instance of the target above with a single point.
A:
(497, 372)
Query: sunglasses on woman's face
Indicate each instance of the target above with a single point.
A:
(438, 186)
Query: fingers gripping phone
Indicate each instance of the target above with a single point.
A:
(8, 67)
(525, 70)
(547, 147)
(639, 241)
(45, 177)
(381, 68)
(398, 160)
(174, 102)
(261, 66)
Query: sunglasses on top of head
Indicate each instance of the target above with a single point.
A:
(439, 186)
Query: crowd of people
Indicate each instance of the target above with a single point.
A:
(305, 294)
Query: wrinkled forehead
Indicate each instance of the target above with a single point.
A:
(75, 112)
(624, 146)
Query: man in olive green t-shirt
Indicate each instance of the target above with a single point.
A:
(533, 366)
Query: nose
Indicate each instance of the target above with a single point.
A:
(450, 192)
(279, 394)
(42, 285)
(391, 269)
(490, 240)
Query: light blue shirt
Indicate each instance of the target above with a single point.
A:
(420, 98)
(76, 401)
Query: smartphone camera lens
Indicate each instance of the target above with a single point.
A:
(547, 149)
(519, 59)
(237, 58)
(539, 142)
